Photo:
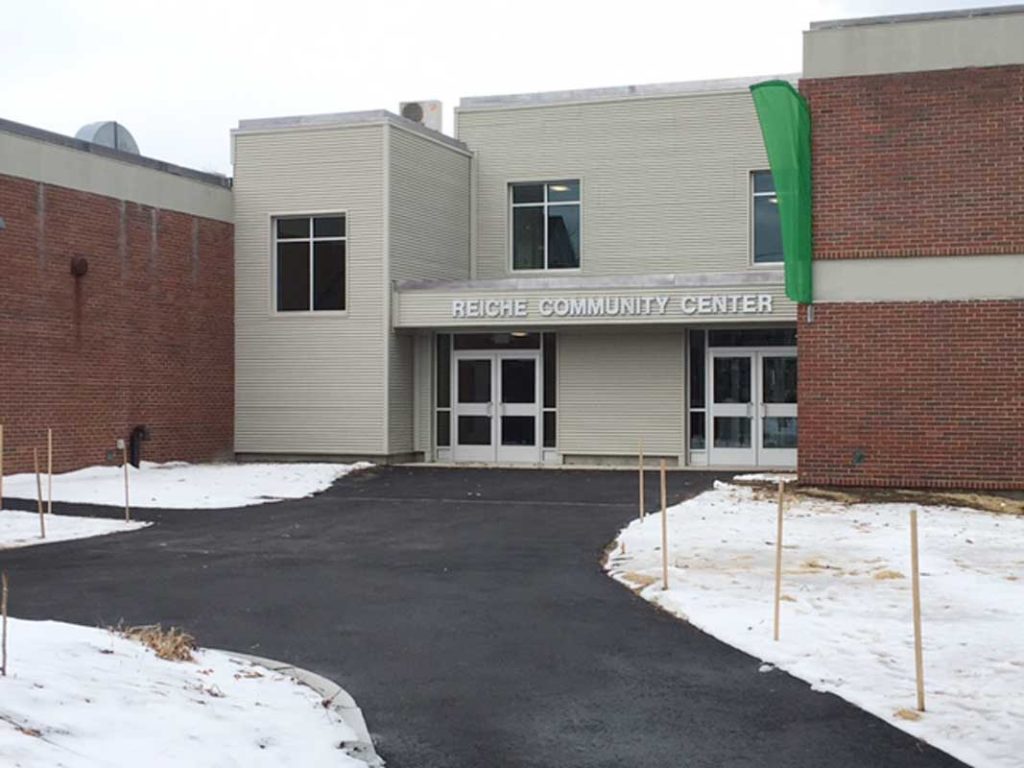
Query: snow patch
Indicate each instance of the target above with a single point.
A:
(77, 697)
(766, 477)
(21, 529)
(846, 624)
(178, 485)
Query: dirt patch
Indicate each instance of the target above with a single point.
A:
(887, 574)
(907, 714)
(1010, 503)
(639, 580)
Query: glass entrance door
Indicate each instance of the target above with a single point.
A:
(732, 409)
(474, 407)
(777, 433)
(518, 409)
(497, 407)
(753, 408)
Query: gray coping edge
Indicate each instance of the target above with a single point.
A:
(900, 18)
(616, 92)
(50, 137)
(340, 702)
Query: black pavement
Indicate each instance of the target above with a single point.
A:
(468, 614)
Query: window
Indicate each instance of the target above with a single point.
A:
(550, 405)
(767, 230)
(444, 390)
(309, 263)
(546, 225)
(698, 403)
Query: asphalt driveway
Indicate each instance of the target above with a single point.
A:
(467, 613)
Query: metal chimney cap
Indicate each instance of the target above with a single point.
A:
(109, 133)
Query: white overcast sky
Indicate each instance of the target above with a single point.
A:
(181, 73)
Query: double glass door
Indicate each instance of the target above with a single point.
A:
(497, 407)
(753, 407)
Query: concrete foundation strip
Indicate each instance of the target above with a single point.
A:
(336, 698)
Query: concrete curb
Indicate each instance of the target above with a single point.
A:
(335, 697)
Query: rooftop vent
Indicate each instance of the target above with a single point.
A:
(107, 133)
(427, 113)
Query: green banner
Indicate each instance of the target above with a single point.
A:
(786, 127)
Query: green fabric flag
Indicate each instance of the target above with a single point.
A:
(786, 127)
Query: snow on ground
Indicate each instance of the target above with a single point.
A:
(846, 613)
(177, 485)
(76, 696)
(21, 529)
(767, 477)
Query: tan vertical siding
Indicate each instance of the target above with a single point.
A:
(308, 383)
(665, 181)
(618, 387)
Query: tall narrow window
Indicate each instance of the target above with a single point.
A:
(444, 390)
(309, 263)
(698, 399)
(550, 405)
(767, 229)
(546, 225)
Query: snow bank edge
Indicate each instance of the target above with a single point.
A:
(336, 698)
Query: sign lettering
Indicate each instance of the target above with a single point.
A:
(612, 306)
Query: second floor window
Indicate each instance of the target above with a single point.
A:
(309, 263)
(546, 225)
(767, 229)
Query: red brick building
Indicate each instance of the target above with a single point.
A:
(145, 336)
(912, 361)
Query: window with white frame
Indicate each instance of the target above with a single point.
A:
(767, 227)
(309, 263)
(546, 225)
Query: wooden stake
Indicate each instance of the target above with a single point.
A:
(124, 461)
(49, 471)
(1, 466)
(641, 479)
(3, 632)
(664, 531)
(778, 559)
(916, 583)
(39, 494)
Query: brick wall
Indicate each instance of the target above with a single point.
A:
(931, 393)
(145, 338)
(918, 164)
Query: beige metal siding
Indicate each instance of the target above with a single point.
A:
(665, 181)
(308, 383)
(618, 387)
(400, 390)
(429, 188)
(428, 238)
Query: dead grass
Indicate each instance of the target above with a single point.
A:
(173, 644)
